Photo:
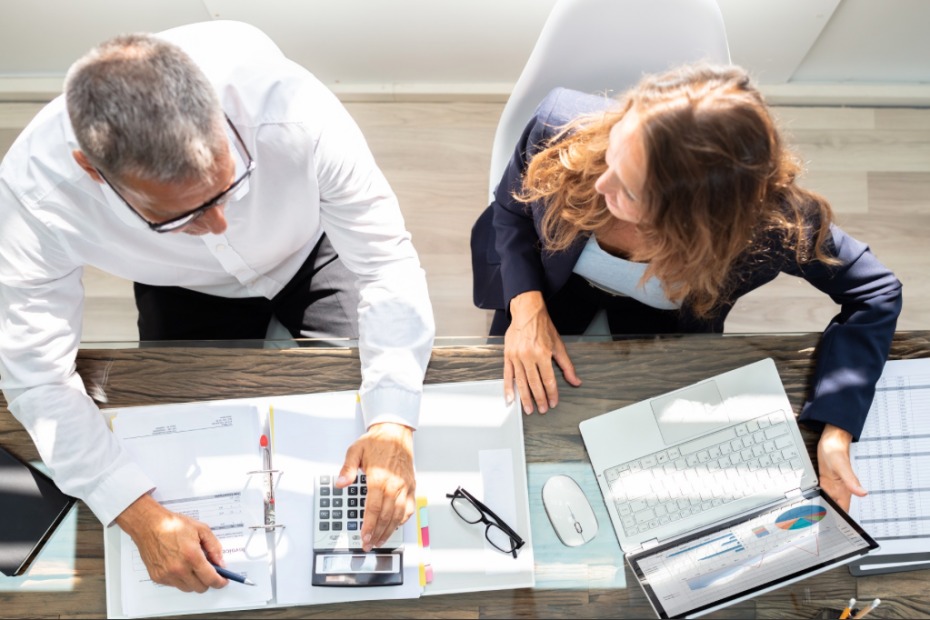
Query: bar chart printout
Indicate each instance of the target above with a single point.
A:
(758, 552)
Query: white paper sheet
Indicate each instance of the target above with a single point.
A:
(499, 490)
(312, 434)
(199, 458)
(892, 461)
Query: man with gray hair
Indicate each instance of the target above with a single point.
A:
(231, 187)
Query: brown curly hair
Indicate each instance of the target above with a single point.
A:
(719, 181)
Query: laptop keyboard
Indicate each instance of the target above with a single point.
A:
(699, 475)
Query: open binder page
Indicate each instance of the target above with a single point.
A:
(199, 458)
(892, 461)
(311, 435)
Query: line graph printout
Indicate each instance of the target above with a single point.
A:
(752, 554)
(892, 458)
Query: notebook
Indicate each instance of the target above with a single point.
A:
(32, 507)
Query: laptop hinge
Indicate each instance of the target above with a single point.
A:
(793, 493)
(649, 544)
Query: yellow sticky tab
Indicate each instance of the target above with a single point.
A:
(358, 398)
(271, 415)
(111, 422)
(422, 576)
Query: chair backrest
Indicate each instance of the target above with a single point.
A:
(607, 45)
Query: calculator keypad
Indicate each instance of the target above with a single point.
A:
(340, 513)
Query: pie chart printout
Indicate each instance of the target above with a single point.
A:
(800, 517)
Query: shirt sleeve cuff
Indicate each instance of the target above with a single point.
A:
(391, 405)
(123, 484)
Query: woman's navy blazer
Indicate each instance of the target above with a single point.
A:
(507, 260)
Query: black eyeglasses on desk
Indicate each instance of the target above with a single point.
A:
(498, 533)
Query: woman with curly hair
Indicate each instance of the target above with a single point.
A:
(663, 208)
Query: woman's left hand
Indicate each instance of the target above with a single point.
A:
(836, 473)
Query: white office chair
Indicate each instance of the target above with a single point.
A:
(606, 45)
(599, 46)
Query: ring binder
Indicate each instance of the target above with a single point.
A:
(269, 525)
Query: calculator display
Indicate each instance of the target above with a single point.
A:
(357, 564)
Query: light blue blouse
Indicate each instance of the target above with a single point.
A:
(620, 277)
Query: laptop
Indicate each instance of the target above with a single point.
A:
(713, 496)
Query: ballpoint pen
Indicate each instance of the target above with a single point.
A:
(848, 610)
(865, 611)
(228, 574)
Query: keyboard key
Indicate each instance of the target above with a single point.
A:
(674, 516)
(643, 528)
(777, 457)
(364, 490)
(789, 453)
(707, 495)
(638, 505)
(795, 463)
(674, 453)
(752, 426)
(660, 510)
(754, 465)
(775, 431)
(336, 491)
(724, 462)
(725, 449)
(361, 514)
(713, 466)
(625, 510)
(628, 522)
(776, 417)
(337, 526)
(769, 446)
(670, 468)
(612, 474)
(694, 510)
(352, 514)
(324, 526)
(353, 490)
(714, 452)
(337, 514)
(635, 467)
(364, 479)
(758, 438)
(324, 502)
(652, 500)
(737, 445)
(663, 520)
(735, 458)
(324, 491)
(747, 441)
(783, 442)
(707, 505)
(663, 496)
(324, 514)
(648, 462)
(645, 516)
(671, 507)
(353, 502)
(741, 430)
(324, 480)
(765, 461)
(681, 464)
(764, 423)
(747, 455)
(653, 523)
(692, 460)
(718, 502)
(662, 458)
(337, 503)
(703, 456)
(695, 500)
(684, 503)
(363, 502)
(352, 526)
(757, 451)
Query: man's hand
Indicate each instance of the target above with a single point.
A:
(530, 345)
(172, 546)
(385, 454)
(836, 472)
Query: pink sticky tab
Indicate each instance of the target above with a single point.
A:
(425, 533)
(429, 573)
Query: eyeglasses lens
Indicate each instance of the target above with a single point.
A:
(500, 539)
(466, 510)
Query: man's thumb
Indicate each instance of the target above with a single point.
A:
(850, 480)
(350, 469)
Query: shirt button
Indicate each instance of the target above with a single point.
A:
(220, 247)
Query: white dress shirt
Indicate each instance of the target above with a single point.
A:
(314, 174)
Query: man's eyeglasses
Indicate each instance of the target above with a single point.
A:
(185, 219)
(497, 532)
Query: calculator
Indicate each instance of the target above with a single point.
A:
(338, 556)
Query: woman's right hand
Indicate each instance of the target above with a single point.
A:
(530, 345)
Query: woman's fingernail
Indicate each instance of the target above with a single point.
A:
(367, 537)
(552, 403)
(509, 398)
(543, 409)
(528, 410)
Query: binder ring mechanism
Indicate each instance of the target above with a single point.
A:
(270, 473)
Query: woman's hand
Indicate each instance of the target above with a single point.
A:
(530, 345)
(836, 472)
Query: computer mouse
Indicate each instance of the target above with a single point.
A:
(569, 512)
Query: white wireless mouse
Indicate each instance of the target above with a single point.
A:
(569, 511)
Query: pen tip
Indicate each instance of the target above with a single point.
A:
(249, 582)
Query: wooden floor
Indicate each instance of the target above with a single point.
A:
(872, 164)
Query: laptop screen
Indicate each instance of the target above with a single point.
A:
(756, 552)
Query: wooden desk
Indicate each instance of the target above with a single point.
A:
(614, 374)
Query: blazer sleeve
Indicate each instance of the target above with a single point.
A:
(856, 343)
(516, 238)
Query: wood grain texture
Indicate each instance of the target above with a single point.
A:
(615, 374)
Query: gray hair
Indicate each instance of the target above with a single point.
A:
(140, 106)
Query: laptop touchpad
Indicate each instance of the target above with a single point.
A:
(689, 412)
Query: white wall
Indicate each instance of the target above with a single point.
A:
(482, 43)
